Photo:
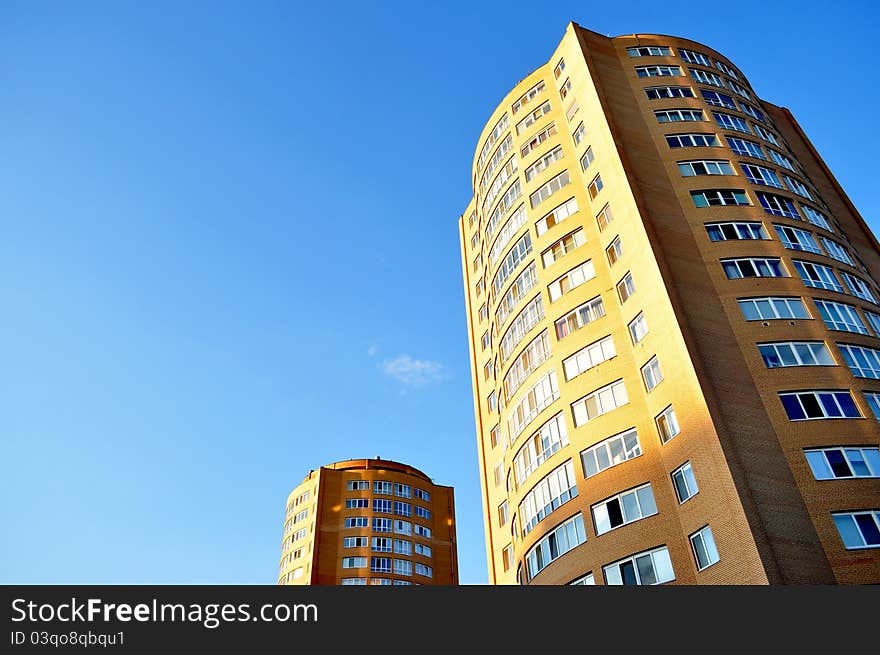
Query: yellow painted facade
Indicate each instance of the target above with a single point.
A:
(580, 224)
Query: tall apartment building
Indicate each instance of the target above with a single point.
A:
(673, 323)
(369, 521)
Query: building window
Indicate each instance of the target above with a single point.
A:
(817, 275)
(595, 186)
(780, 159)
(719, 197)
(588, 357)
(571, 280)
(528, 318)
(543, 163)
(863, 362)
(837, 463)
(705, 167)
(382, 525)
(422, 531)
(748, 109)
(684, 482)
(812, 405)
(648, 568)
(532, 356)
(692, 141)
(777, 205)
(836, 251)
(383, 487)
(816, 217)
(356, 521)
(614, 251)
(858, 287)
(571, 111)
(796, 239)
(873, 399)
(549, 189)
(658, 71)
(492, 402)
(423, 512)
(496, 160)
(424, 570)
(874, 321)
(603, 218)
(624, 508)
(380, 582)
(660, 92)
(548, 439)
(579, 317)
(766, 135)
(727, 70)
(402, 567)
(797, 187)
(601, 401)
(626, 288)
(351, 582)
(423, 550)
(694, 57)
(507, 557)
(588, 158)
(528, 96)
(740, 91)
(565, 88)
(745, 148)
(380, 564)
(380, 505)
(523, 283)
(557, 70)
(705, 77)
(381, 544)
(703, 545)
(402, 547)
(538, 139)
(555, 544)
(484, 312)
(579, 133)
(679, 115)
(354, 542)
(667, 424)
(402, 509)
(357, 503)
(649, 50)
(638, 328)
(795, 353)
(729, 122)
(358, 485)
(587, 580)
(423, 495)
(611, 452)
(503, 514)
(497, 131)
(533, 118)
(651, 374)
(354, 562)
(402, 527)
(735, 231)
(550, 493)
(511, 261)
(718, 99)
(540, 396)
(762, 309)
(859, 529)
(760, 175)
(752, 267)
(556, 216)
(838, 316)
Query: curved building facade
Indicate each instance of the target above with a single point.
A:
(369, 521)
(673, 321)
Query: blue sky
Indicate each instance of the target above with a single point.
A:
(229, 251)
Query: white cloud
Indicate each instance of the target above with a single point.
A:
(414, 372)
(372, 350)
